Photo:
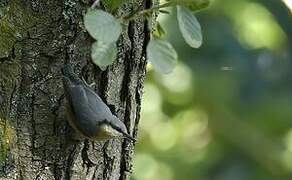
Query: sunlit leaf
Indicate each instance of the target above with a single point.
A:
(189, 27)
(102, 26)
(103, 54)
(161, 55)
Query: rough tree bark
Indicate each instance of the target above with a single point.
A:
(36, 38)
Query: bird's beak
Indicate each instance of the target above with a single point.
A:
(127, 136)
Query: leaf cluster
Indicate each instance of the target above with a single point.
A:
(106, 30)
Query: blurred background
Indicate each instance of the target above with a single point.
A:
(225, 113)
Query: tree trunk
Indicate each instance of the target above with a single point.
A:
(36, 38)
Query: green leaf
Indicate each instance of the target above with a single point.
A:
(193, 5)
(103, 54)
(161, 55)
(189, 27)
(113, 4)
(102, 26)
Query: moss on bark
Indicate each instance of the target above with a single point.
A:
(14, 21)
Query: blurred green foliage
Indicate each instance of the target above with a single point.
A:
(225, 113)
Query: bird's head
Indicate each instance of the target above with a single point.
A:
(115, 128)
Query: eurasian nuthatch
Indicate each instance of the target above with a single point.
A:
(86, 111)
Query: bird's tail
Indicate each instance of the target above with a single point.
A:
(69, 74)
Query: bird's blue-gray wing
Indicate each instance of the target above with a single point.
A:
(97, 105)
(85, 118)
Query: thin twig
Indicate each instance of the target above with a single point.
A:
(146, 11)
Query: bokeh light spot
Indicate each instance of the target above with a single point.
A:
(163, 136)
(180, 80)
(145, 167)
(288, 140)
(194, 134)
(164, 172)
(152, 99)
(287, 154)
(151, 108)
(148, 168)
(257, 28)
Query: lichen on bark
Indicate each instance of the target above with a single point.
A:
(14, 20)
(9, 72)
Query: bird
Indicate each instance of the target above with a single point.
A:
(87, 113)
